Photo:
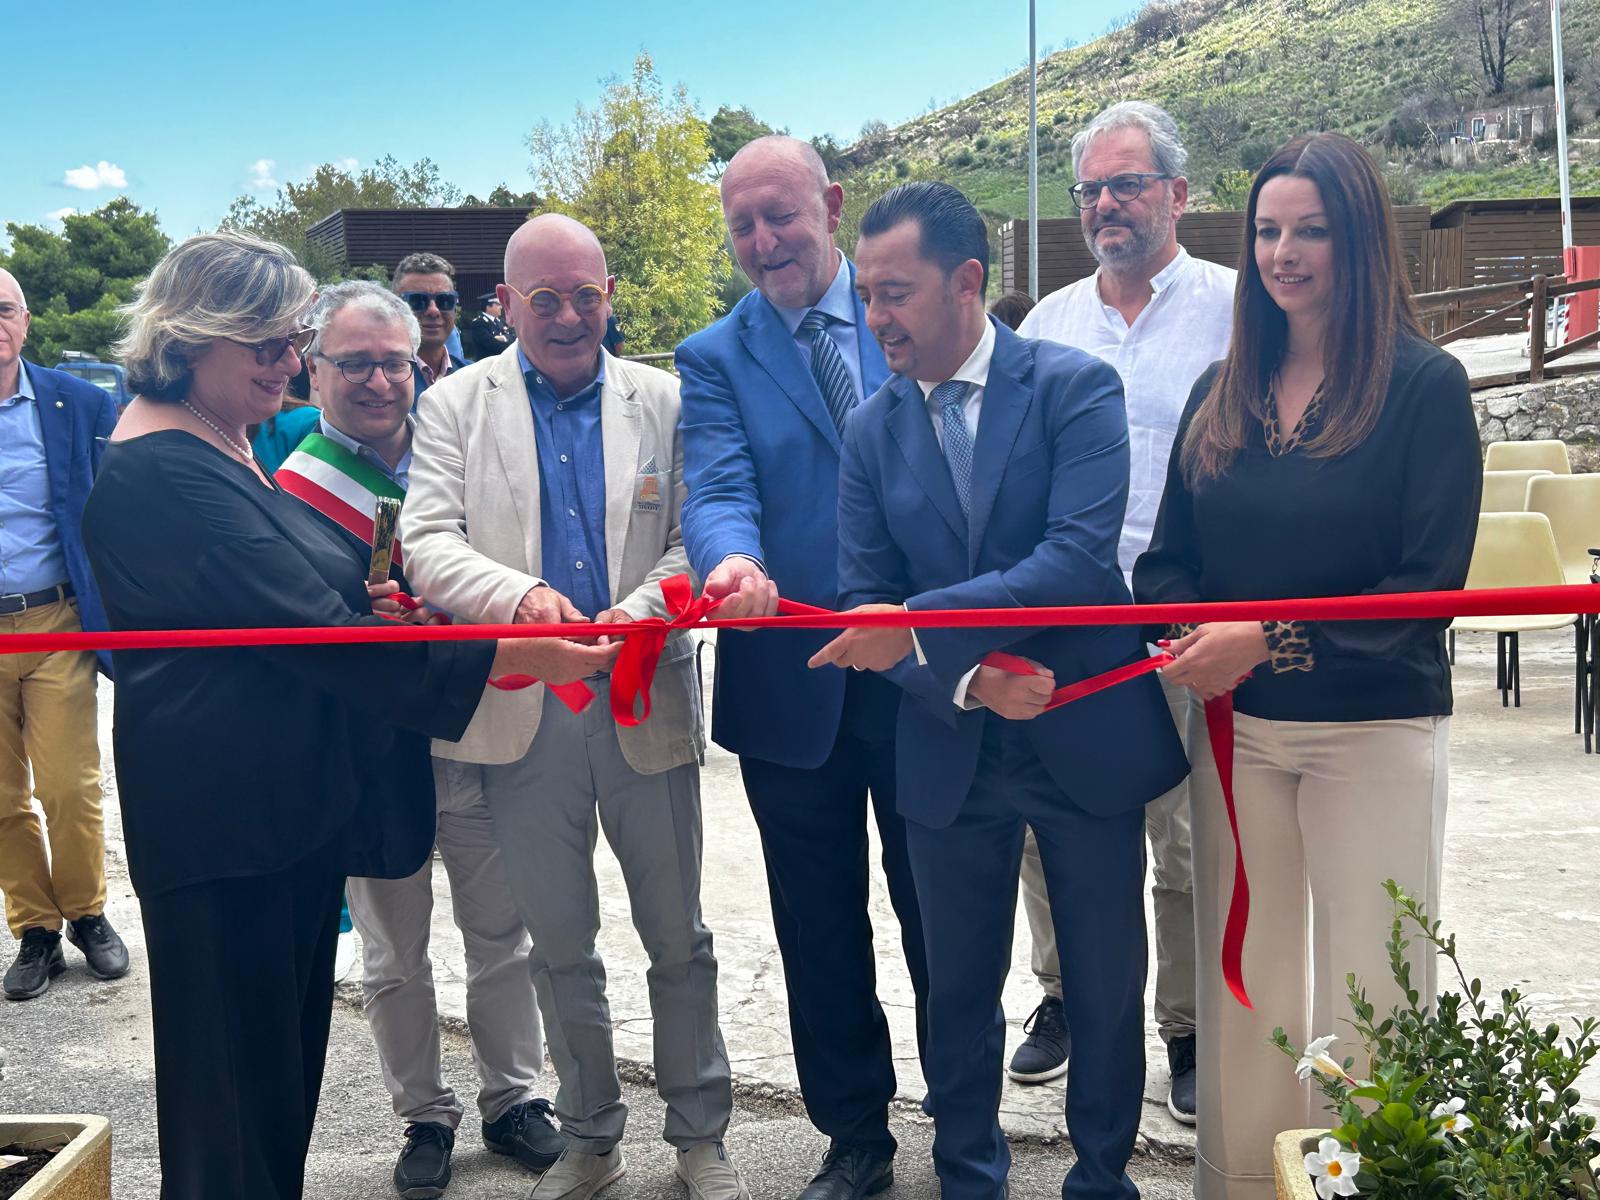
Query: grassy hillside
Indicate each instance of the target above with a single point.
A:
(1242, 76)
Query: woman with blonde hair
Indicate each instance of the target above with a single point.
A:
(1332, 452)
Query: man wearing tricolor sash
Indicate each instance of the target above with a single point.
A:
(362, 363)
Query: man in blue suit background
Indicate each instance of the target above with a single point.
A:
(52, 431)
(991, 471)
(766, 393)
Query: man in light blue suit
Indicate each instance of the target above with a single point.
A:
(991, 471)
(766, 393)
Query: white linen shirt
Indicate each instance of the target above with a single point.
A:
(1181, 331)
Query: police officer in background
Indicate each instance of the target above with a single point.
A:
(487, 333)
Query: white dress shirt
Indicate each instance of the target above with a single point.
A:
(1181, 331)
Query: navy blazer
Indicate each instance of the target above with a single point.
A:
(761, 460)
(1049, 486)
(76, 419)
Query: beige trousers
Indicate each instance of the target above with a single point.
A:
(47, 722)
(1166, 823)
(1327, 811)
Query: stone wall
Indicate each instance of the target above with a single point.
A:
(1568, 409)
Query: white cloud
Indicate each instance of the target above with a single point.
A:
(261, 174)
(61, 214)
(102, 175)
(347, 164)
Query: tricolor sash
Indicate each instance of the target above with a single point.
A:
(339, 485)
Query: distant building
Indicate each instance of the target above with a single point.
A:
(1508, 123)
(472, 239)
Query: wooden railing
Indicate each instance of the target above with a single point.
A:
(1528, 296)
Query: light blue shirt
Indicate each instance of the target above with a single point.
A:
(839, 303)
(400, 473)
(31, 558)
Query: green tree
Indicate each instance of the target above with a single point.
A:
(74, 280)
(503, 197)
(730, 130)
(634, 170)
(298, 206)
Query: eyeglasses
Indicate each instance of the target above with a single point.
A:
(419, 301)
(1126, 187)
(10, 311)
(271, 350)
(546, 302)
(359, 370)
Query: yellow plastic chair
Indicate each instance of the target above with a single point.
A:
(1514, 550)
(1507, 491)
(1528, 456)
(1572, 502)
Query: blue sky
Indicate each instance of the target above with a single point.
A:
(183, 106)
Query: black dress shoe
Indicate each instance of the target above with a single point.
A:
(1043, 1054)
(100, 946)
(1180, 1099)
(423, 1171)
(529, 1133)
(38, 962)
(849, 1174)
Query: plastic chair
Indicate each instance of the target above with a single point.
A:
(1572, 502)
(1528, 456)
(1507, 491)
(1514, 550)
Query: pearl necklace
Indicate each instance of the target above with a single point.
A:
(243, 452)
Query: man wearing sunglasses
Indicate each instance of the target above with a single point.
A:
(1160, 317)
(427, 283)
(546, 488)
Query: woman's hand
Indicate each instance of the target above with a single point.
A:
(1216, 658)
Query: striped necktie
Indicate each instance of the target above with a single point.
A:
(951, 398)
(828, 369)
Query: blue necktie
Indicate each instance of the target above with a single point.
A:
(828, 369)
(951, 396)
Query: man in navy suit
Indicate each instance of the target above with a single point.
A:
(991, 471)
(52, 431)
(766, 393)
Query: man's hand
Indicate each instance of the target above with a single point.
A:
(1216, 658)
(743, 588)
(1014, 697)
(552, 660)
(866, 649)
(611, 616)
(543, 605)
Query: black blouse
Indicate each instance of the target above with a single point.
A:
(241, 762)
(1396, 514)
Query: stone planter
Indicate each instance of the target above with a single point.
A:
(81, 1170)
(1289, 1150)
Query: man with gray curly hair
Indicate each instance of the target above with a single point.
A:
(362, 360)
(1160, 317)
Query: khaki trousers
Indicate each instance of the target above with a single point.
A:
(47, 719)
(1167, 826)
(1327, 812)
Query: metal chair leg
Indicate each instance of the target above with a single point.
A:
(1500, 667)
(1516, 668)
(1580, 641)
(1452, 647)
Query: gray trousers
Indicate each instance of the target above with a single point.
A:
(393, 917)
(549, 809)
(1167, 826)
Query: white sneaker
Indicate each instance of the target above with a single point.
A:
(578, 1176)
(344, 957)
(709, 1174)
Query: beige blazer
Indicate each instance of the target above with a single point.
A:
(471, 530)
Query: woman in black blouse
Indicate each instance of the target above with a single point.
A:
(252, 781)
(1333, 452)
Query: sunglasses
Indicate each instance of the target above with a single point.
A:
(419, 301)
(546, 302)
(271, 350)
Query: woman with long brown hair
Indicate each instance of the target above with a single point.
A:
(1332, 452)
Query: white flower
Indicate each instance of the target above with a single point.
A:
(1316, 1058)
(1334, 1168)
(1455, 1121)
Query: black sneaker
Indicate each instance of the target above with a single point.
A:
(100, 946)
(1043, 1054)
(1180, 1100)
(528, 1132)
(423, 1171)
(38, 962)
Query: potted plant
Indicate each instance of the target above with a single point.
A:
(1462, 1097)
(79, 1167)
